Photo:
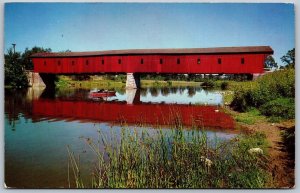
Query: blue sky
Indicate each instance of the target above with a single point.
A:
(110, 26)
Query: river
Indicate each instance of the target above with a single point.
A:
(41, 123)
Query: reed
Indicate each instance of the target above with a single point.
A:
(175, 159)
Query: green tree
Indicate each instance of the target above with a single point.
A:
(14, 70)
(26, 61)
(65, 51)
(270, 62)
(289, 58)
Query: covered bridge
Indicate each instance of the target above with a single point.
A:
(222, 60)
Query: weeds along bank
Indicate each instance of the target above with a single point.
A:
(272, 94)
(175, 160)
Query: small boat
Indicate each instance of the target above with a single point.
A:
(102, 93)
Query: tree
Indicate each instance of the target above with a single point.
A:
(270, 62)
(289, 58)
(26, 61)
(15, 75)
(65, 51)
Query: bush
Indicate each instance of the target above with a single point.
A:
(243, 97)
(208, 83)
(224, 85)
(281, 107)
(279, 84)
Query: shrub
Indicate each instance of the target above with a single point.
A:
(208, 83)
(279, 84)
(224, 85)
(281, 107)
(243, 97)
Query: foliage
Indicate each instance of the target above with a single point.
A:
(175, 160)
(25, 59)
(208, 84)
(281, 107)
(266, 88)
(270, 62)
(288, 138)
(250, 117)
(14, 71)
(224, 85)
(289, 58)
(16, 64)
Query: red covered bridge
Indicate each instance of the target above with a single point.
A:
(223, 60)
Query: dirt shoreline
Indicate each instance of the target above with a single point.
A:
(281, 166)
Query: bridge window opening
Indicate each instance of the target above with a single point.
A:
(45, 63)
(142, 61)
(242, 61)
(102, 61)
(87, 62)
(119, 61)
(198, 61)
(161, 61)
(178, 60)
(219, 61)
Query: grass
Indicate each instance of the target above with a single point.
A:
(161, 83)
(67, 82)
(175, 160)
(250, 117)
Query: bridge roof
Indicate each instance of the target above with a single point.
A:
(219, 50)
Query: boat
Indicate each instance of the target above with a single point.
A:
(102, 93)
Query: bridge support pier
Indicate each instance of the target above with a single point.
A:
(34, 79)
(133, 81)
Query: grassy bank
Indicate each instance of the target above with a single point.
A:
(103, 82)
(176, 160)
(160, 83)
(67, 82)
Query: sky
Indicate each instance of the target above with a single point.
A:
(114, 26)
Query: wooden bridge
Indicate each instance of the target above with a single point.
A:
(223, 60)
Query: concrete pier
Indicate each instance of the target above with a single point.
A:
(34, 79)
(133, 81)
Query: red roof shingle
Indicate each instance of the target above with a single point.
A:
(219, 50)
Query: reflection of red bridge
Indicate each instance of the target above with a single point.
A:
(143, 113)
(228, 60)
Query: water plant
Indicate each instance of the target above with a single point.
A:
(175, 159)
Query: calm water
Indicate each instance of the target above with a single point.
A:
(39, 124)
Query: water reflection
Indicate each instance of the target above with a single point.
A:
(140, 113)
(130, 107)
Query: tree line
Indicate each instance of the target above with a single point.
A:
(16, 64)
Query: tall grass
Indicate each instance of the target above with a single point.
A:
(175, 159)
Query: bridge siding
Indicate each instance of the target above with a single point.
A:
(231, 63)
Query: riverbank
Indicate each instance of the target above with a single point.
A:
(281, 163)
(100, 82)
(278, 128)
(104, 82)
